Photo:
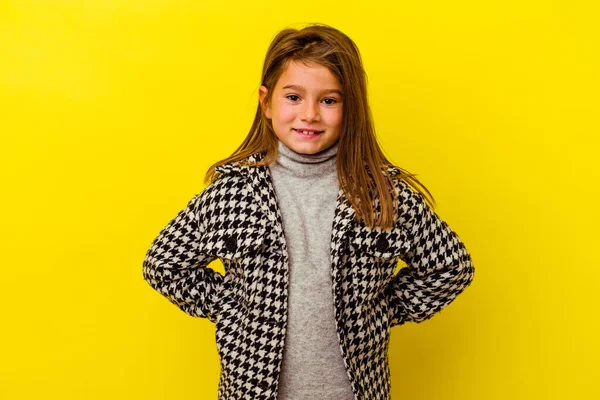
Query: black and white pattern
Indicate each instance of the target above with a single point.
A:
(236, 219)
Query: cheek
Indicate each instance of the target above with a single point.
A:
(284, 114)
(335, 118)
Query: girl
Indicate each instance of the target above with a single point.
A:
(309, 219)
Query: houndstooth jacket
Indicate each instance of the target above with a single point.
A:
(236, 219)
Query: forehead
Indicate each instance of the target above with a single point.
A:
(308, 77)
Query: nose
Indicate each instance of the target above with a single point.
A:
(310, 111)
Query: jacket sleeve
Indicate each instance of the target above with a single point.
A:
(438, 266)
(176, 266)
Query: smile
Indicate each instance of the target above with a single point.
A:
(308, 133)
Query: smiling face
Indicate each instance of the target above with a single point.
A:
(305, 98)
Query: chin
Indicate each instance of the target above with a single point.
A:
(305, 148)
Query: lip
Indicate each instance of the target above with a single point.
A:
(308, 129)
(308, 137)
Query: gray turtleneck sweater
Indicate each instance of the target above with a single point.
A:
(306, 187)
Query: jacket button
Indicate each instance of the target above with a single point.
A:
(382, 245)
(230, 243)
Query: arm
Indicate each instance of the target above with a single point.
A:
(176, 266)
(438, 267)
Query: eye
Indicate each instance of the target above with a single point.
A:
(333, 101)
(291, 95)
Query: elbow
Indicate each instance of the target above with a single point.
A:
(467, 270)
(149, 272)
(460, 276)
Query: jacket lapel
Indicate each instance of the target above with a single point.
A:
(343, 219)
(264, 194)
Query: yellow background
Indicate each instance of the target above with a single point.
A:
(111, 112)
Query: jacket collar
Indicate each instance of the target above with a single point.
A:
(236, 167)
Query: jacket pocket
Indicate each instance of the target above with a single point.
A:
(379, 243)
(233, 243)
(240, 251)
(374, 255)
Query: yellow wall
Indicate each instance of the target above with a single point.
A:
(111, 111)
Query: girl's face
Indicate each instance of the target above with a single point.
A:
(305, 98)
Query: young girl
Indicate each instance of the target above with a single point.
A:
(309, 219)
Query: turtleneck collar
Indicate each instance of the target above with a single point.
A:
(305, 165)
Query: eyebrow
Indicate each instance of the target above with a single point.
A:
(300, 88)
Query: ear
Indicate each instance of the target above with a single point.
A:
(262, 97)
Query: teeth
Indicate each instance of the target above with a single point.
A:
(308, 133)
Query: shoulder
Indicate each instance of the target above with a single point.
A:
(223, 190)
(232, 178)
(229, 202)
(403, 189)
(411, 203)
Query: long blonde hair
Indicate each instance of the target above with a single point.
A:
(358, 152)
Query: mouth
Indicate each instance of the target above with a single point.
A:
(308, 133)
